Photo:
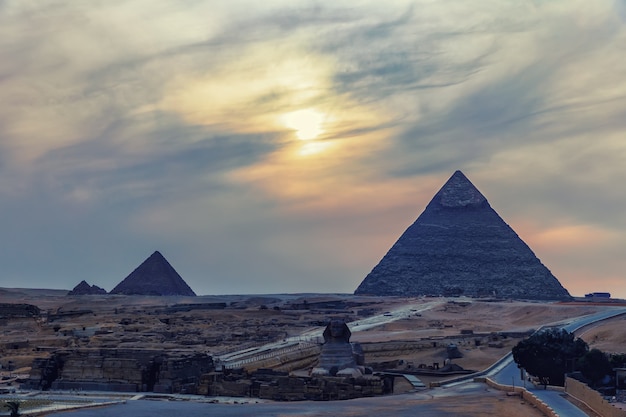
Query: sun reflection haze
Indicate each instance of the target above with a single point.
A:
(307, 123)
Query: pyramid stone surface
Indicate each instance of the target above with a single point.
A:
(460, 246)
(83, 288)
(155, 276)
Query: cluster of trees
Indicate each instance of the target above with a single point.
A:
(551, 353)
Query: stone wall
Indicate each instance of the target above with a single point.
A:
(409, 347)
(135, 370)
(9, 310)
(295, 389)
(592, 398)
(297, 356)
(277, 387)
(524, 394)
(181, 374)
(400, 347)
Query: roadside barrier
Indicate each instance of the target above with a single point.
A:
(523, 393)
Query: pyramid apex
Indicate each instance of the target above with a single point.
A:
(459, 192)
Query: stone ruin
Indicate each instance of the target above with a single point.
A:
(279, 386)
(340, 374)
(125, 370)
(339, 357)
(10, 310)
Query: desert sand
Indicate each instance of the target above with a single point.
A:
(236, 322)
(245, 321)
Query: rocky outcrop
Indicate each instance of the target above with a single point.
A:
(155, 276)
(83, 288)
(8, 310)
(460, 246)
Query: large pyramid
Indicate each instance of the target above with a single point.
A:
(155, 276)
(460, 246)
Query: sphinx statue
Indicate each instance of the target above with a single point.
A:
(339, 357)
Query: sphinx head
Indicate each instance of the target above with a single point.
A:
(337, 331)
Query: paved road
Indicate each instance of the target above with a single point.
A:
(237, 358)
(509, 373)
(579, 322)
(435, 404)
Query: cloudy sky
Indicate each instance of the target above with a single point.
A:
(284, 147)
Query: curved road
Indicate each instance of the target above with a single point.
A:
(509, 374)
(402, 405)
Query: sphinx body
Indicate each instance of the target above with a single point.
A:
(339, 357)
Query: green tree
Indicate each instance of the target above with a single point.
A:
(549, 354)
(13, 407)
(594, 366)
(618, 360)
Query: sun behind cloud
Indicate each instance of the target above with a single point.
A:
(307, 123)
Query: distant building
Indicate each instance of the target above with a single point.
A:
(598, 296)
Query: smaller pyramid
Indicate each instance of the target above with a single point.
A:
(83, 288)
(155, 276)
